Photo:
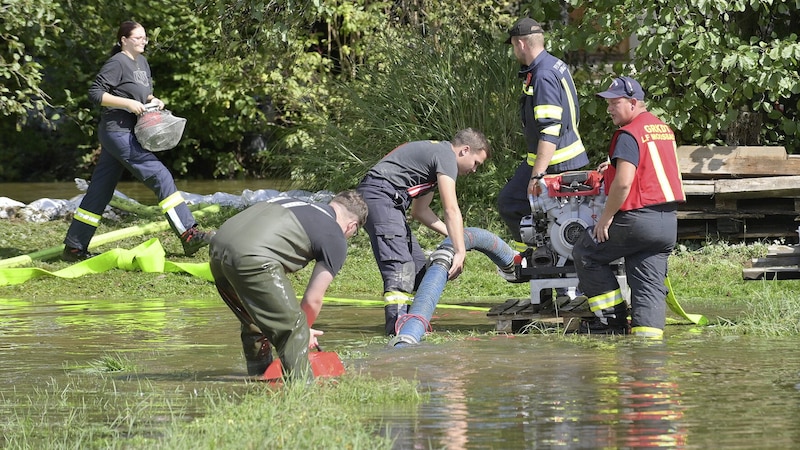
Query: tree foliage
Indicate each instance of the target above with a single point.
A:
(27, 29)
(320, 89)
(719, 72)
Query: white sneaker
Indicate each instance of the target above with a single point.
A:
(508, 276)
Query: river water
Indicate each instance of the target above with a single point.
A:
(695, 390)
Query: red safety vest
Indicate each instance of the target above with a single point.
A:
(658, 178)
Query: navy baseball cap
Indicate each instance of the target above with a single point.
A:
(524, 27)
(623, 87)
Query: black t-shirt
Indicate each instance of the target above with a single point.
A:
(319, 222)
(415, 166)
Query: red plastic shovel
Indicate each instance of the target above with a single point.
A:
(323, 364)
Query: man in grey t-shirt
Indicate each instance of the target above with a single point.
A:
(406, 178)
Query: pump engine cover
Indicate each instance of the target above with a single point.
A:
(570, 202)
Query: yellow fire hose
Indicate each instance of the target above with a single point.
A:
(150, 257)
(102, 239)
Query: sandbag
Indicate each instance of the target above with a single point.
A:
(158, 130)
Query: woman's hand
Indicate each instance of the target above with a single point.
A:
(136, 107)
(156, 101)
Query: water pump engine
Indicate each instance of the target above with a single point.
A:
(569, 203)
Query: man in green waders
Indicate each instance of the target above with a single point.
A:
(251, 254)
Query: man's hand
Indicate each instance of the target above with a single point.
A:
(535, 187)
(456, 267)
(600, 231)
(312, 343)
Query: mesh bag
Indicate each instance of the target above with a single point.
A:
(159, 130)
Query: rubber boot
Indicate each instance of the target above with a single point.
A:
(257, 353)
(390, 314)
(608, 321)
(396, 304)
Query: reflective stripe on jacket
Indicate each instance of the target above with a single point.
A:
(549, 110)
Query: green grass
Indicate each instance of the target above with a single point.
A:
(336, 420)
(358, 279)
(700, 273)
(92, 412)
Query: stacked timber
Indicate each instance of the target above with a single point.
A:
(781, 263)
(739, 193)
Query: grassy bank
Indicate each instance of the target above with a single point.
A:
(699, 271)
(358, 279)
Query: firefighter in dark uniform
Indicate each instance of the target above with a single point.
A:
(639, 222)
(250, 256)
(550, 116)
(404, 179)
(122, 87)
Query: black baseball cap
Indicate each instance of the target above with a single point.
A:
(524, 27)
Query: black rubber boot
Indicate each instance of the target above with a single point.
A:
(71, 254)
(390, 314)
(257, 354)
(612, 321)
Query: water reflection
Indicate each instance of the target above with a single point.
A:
(651, 401)
(695, 390)
(545, 391)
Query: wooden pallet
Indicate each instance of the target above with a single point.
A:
(519, 315)
(739, 193)
(781, 263)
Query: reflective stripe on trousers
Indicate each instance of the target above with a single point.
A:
(648, 332)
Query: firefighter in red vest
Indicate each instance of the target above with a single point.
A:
(639, 222)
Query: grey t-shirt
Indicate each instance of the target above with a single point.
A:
(626, 148)
(123, 77)
(414, 166)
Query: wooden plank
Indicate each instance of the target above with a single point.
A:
(780, 250)
(778, 186)
(723, 203)
(750, 167)
(778, 256)
(713, 215)
(698, 187)
(738, 161)
(722, 152)
(771, 273)
(729, 206)
(710, 230)
(775, 261)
